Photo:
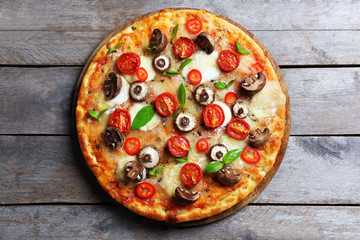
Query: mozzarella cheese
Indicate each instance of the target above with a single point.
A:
(227, 112)
(150, 125)
(119, 171)
(171, 178)
(123, 95)
(146, 62)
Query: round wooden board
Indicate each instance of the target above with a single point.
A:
(261, 186)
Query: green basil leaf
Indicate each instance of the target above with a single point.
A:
(151, 172)
(181, 94)
(143, 117)
(151, 48)
(158, 170)
(230, 83)
(214, 166)
(182, 160)
(170, 73)
(238, 45)
(101, 113)
(244, 51)
(220, 85)
(93, 114)
(184, 63)
(175, 30)
(231, 156)
(111, 50)
(119, 44)
(176, 112)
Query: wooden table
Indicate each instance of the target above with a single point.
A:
(47, 193)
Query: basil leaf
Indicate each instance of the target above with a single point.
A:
(244, 51)
(151, 48)
(231, 156)
(111, 50)
(143, 117)
(220, 85)
(101, 113)
(176, 112)
(170, 73)
(184, 63)
(151, 172)
(214, 166)
(238, 45)
(182, 160)
(181, 94)
(93, 114)
(119, 44)
(230, 83)
(158, 170)
(174, 33)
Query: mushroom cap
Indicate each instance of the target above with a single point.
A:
(218, 151)
(228, 176)
(159, 40)
(258, 138)
(185, 121)
(139, 91)
(253, 83)
(112, 86)
(135, 171)
(240, 109)
(205, 41)
(204, 94)
(186, 195)
(149, 156)
(161, 63)
(113, 137)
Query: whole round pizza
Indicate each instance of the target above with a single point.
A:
(182, 115)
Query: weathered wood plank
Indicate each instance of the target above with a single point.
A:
(110, 222)
(99, 15)
(46, 169)
(39, 99)
(73, 48)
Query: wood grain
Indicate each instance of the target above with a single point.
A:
(46, 169)
(110, 222)
(99, 15)
(322, 100)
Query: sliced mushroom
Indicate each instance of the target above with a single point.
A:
(258, 138)
(113, 137)
(253, 83)
(218, 151)
(240, 109)
(159, 40)
(161, 63)
(139, 91)
(228, 176)
(149, 156)
(186, 195)
(185, 121)
(205, 42)
(204, 94)
(112, 85)
(135, 171)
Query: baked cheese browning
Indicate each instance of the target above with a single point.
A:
(265, 105)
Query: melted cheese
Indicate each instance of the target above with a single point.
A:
(119, 171)
(150, 125)
(123, 95)
(171, 178)
(227, 112)
(146, 62)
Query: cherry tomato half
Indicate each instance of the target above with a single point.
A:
(132, 146)
(238, 128)
(213, 116)
(178, 146)
(228, 60)
(194, 77)
(191, 174)
(166, 104)
(145, 190)
(121, 119)
(142, 74)
(202, 145)
(184, 47)
(250, 155)
(230, 98)
(193, 26)
(128, 62)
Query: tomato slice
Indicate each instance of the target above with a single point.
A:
(145, 190)
(142, 74)
(166, 104)
(121, 119)
(128, 62)
(194, 77)
(202, 145)
(213, 116)
(250, 155)
(228, 60)
(178, 146)
(230, 98)
(132, 146)
(193, 26)
(191, 174)
(238, 128)
(184, 47)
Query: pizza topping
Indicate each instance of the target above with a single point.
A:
(191, 174)
(228, 176)
(250, 155)
(228, 60)
(112, 85)
(204, 95)
(139, 91)
(194, 77)
(185, 121)
(166, 104)
(202, 145)
(128, 62)
(213, 115)
(132, 146)
(149, 156)
(230, 98)
(96, 115)
(258, 138)
(113, 137)
(193, 26)
(141, 74)
(240, 49)
(253, 83)
(240, 109)
(159, 40)
(186, 195)
(184, 47)
(161, 63)
(121, 119)
(135, 171)
(145, 190)
(178, 146)
(238, 129)
(205, 41)
(218, 151)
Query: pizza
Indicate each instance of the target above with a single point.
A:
(180, 115)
